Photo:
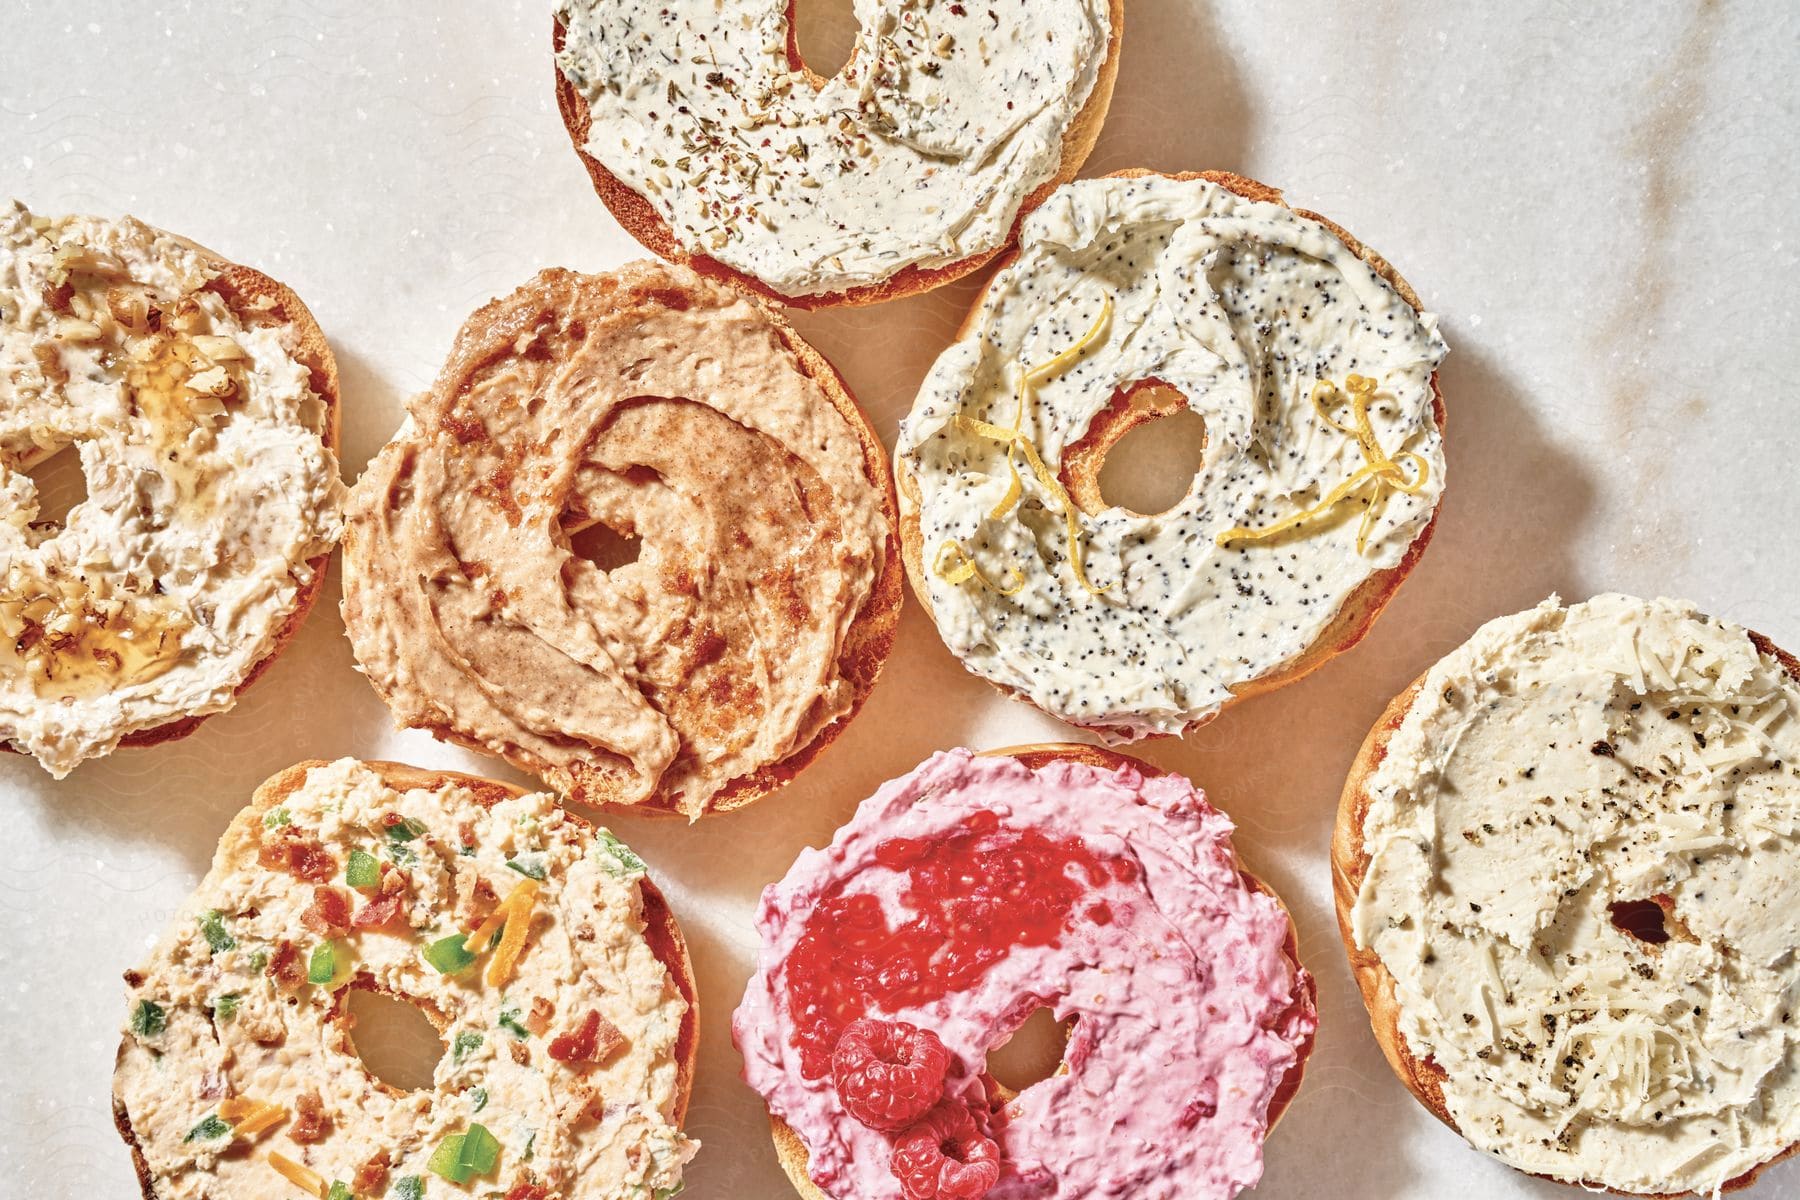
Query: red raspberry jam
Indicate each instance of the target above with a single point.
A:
(974, 893)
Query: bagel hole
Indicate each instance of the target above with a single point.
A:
(1150, 467)
(825, 34)
(394, 1039)
(605, 546)
(1641, 919)
(1032, 1054)
(61, 485)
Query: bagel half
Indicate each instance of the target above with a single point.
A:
(791, 1151)
(660, 929)
(1350, 860)
(639, 218)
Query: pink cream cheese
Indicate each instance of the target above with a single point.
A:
(1188, 1014)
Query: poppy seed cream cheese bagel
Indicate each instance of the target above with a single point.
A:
(968, 894)
(1316, 373)
(678, 413)
(1566, 865)
(713, 144)
(534, 943)
(202, 401)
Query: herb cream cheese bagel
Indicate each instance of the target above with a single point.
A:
(202, 401)
(976, 890)
(1315, 370)
(1566, 864)
(678, 412)
(547, 960)
(713, 144)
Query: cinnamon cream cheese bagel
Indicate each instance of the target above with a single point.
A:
(1566, 865)
(1315, 371)
(682, 414)
(714, 145)
(202, 401)
(976, 890)
(535, 944)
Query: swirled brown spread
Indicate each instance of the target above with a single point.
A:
(678, 413)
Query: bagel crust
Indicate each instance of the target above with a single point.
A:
(907, 169)
(569, 1042)
(676, 412)
(202, 400)
(1316, 371)
(1563, 869)
(1197, 1119)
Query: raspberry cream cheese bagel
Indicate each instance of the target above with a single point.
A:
(1315, 371)
(682, 414)
(976, 890)
(713, 144)
(1566, 865)
(202, 401)
(535, 944)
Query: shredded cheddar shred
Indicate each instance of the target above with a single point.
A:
(516, 924)
(1026, 380)
(304, 1178)
(248, 1117)
(1378, 469)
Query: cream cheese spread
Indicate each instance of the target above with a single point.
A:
(227, 1008)
(1567, 777)
(209, 484)
(1249, 310)
(919, 152)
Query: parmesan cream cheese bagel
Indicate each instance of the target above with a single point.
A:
(675, 411)
(715, 146)
(548, 962)
(976, 890)
(203, 403)
(1566, 866)
(1315, 371)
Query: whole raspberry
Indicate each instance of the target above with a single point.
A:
(888, 1073)
(945, 1157)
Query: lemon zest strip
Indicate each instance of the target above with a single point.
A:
(1384, 471)
(965, 570)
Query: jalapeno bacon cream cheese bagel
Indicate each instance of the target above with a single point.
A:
(1315, 371)
(202, 401)
(535, 944)
(677, 412)
(976, 890)
(1566, 867)
(713, 144)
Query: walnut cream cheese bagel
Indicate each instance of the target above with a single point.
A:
(1315, 371)
(202, 401)
(713, 145)
(535, 944)
(1566, 866)
(673, 410)
(976, 890)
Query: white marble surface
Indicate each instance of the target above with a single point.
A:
(1599, 199)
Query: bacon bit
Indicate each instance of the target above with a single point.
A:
(465, 835)
(527, 1191)
(329, 915)
(212, 1085)
(298, 855)
(284, 965)
(377, 913)
(307, 1180)
(394, 881)
(594, 1042)
(311, 1125)
(484, 892)
(541, 1012)
(371, 1178)
(521, 1054)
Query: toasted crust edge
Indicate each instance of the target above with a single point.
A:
(661, 931)
(1355, 617)
(640, 220)
(241, 286)
(867, 644)
(791, 1151)
(1349, 867)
